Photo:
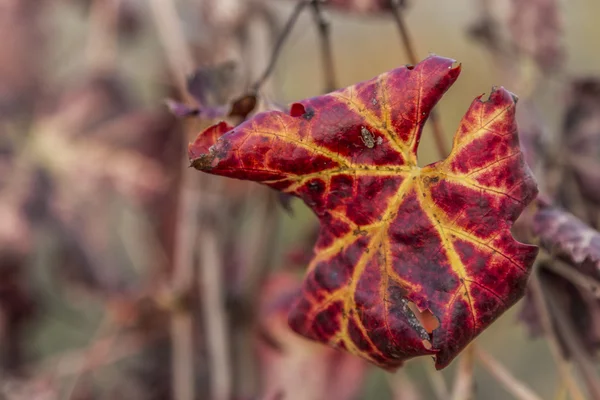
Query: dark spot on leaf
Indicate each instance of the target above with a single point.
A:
(316, 186)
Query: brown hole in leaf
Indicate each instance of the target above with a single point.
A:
(425, 317)
(410, 67)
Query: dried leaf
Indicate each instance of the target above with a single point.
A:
(584, 307)
(217, 91)
(536, 27)
(564, 235)
(400, 246)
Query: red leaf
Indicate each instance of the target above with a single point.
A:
(400, 246)
(294, 367)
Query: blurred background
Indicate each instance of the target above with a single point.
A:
(124, 274)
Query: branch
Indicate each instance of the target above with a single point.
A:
(572, 340)
(407, 42)
(215, 321)
(464, 384)
(546, 320)
(518, 389)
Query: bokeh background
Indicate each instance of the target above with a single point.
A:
(126, 275)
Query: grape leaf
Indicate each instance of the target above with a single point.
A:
(294, 367)
(409, 260)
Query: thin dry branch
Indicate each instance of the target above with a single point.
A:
(436, 379)
(403, 388)
(546, 321)
(518, 389)
(285, 33)
(326, 49)
(215, 320)
(324, 37)
(409, 47)
(102, 41)
(572, 341)
(464, 384)
(568, 272)
(179, 58)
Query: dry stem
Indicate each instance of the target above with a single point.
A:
(464, 384)
(512, 385)
(407, 42)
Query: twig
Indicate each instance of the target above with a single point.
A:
(518, 389)
(180, 62)
(572, 340)
(179, 56)
(438, 384)
(257, 253)
(326, 50)
(287, 29)
(546, 321)
(464, 384)
(94, 354)
(102, 41)
(569, 272)
(403, 387)
(215, 321)
(77, 361)
(407, 42)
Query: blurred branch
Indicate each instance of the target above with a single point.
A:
(215, 321)
(436, 379)
(567, 271)
(546, 320)
(324, 37)
(180, 62)
(464, 383)
(326, 50)
(102, 41)
(95, 354)
(285, 33)
(407, 42)
(514, 386)
(403, 387)
(572, 341)
(75, 362)
(179, 56)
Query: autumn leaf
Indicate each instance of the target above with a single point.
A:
(294, 367)
(409, 260)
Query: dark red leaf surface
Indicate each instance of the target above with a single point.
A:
(409, 260)
(292, 366)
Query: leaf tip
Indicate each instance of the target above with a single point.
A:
(198, 151)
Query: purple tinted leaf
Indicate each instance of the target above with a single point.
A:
(564, 235)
